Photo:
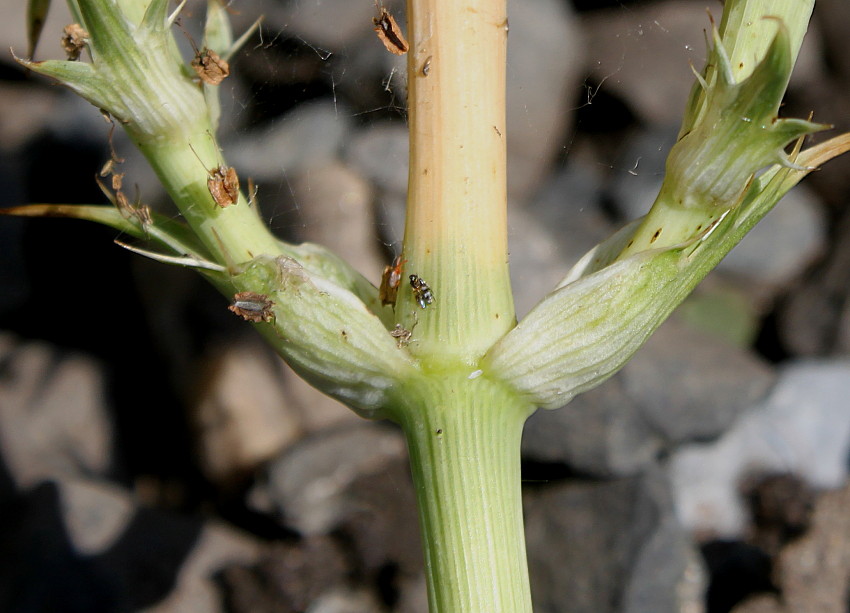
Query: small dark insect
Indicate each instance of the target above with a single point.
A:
(423, 294)
(390, 280)
(389, 33)
(210, 67)
(252, 306)
(426, 67)
(74, 40)
(223, 185)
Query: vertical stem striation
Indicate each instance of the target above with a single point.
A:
(464, 441)
(456, 230)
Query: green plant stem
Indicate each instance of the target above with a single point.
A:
(464, 440)
(232, 235)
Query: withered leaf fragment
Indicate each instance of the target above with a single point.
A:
(210, 67)
(224, 186)
(74, 41)
(390, 34)
(252, 306)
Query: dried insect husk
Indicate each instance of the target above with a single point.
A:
(209, 66)
(390, 33)
(74, 39)
(252, 307)
(224, 186)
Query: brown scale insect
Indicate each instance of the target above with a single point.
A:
(389, 33)
(209, 66)
(224, 185)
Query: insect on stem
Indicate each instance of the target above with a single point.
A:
(389, 32)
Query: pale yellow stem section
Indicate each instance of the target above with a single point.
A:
(456, 229)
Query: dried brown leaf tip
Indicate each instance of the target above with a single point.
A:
(210, 67)
(389, 33)
(74, 40)
(224, 186)
(252, 306)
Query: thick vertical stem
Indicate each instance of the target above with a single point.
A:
(464, 443)
(456, 232)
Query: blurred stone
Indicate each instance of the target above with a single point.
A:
(316, 410)
(380, 153)
(553, 232)
(195, 591)
(309, 484)
(241, 413)
(26, 112)
(88, 543)
(346, 601)
(814, 571)
(782, 244)
(802, 427)
(639, 171)
(815, 318)
(545, 58)
(13, 31)
(286, 577)
(832, 17)
(337, 205)
(380, 523)
(643, 55)
(95, 514)
(414, 596)
(53, 418)
(331, 24)
(535, 260)
(309, 135)
(600, 433)
(690, 386)
(611, 546)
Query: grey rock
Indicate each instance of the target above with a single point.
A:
(331, 24)
(815, 319)
(638, 173)
(90, 543)
(782, 244)
(53, 420)
(642, 55)
(600, 433)
(337, 205)
(553, 232)
(545, 57)
(287, 577)
(598, 547)
(240, 411)
(802, 427)
(690, 386)
(380, 154)
(309, 135)
(310, 483)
